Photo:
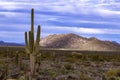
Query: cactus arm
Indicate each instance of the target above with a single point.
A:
(30, 42)
(26, 43)
(37, 40)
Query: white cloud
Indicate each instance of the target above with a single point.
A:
(8, 14)
(106, 12)
(98, 22)
(63, 6)
(9, 5)
(13, 5)
(81, 30)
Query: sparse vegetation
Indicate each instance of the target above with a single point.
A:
(113, 74)
(60, 65)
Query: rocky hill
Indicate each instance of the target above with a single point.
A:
(73, 41)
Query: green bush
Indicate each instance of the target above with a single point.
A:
(113, 74)
(84, 77)
(50, 72)
(97, 58)
(69, 59)
(69, 67)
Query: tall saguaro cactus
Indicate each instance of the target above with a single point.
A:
(32, 46)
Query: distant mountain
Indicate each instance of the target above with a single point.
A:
(73, 41)
(2, 43)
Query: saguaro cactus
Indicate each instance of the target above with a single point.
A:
(32, 47)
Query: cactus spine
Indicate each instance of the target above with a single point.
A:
(32, 47)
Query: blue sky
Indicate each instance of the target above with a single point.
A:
(97, 18)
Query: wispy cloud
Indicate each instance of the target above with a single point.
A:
(87, 7)
(108, 13)
(81, 30)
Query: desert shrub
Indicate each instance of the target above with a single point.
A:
(73, 57)
(2, 54)
(46, 56)
(63, 71)
(77, 55)
(113, 74)
(50, 72)
(84, 77)
(69, 55)
(22, 53)
(71, 60)
(69, 67)
(84, 58)
(97, 58)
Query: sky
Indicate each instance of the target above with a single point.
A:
(88, 18)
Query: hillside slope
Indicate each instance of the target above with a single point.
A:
(73, 41)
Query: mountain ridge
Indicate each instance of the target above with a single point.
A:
(73, 41)
(2, 43)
